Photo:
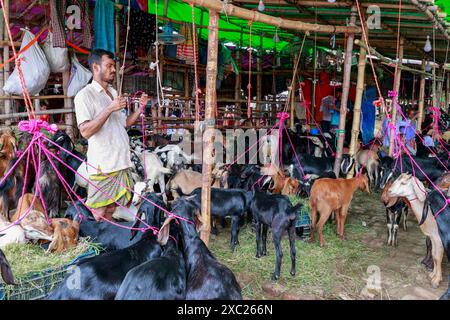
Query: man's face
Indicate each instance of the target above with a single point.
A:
(106, 70)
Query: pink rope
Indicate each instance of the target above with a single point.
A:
(296, 157)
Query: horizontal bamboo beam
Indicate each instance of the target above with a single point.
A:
(24, 114)
(35, 97)
(234, 11)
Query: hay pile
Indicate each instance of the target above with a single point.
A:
(29, 258)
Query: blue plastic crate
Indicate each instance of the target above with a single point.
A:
(37, 285)
(303, 218)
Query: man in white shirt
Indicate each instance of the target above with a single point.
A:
(102, 121)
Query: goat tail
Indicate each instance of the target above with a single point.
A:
(426, 207)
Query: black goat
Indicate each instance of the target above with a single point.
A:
(207, 278)
(434, 203)
(112, 237)
(11, 188)
(226, 203)
(5, 269)
(310, 165)
(51, 187)
(161, 278)
(306, 185)
(277, 212)
(62, 139)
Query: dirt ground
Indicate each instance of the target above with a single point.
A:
(361, 267)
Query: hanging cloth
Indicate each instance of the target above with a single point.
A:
(368, 114)
(104, 33)
(185, 51)
(142, 33)
(58, 16)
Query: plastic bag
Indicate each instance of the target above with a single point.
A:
(57, 58)
(79, 78)
(35, 69)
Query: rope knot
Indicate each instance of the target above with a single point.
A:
(448, 201)
(392, 93)
(34, 126)
(283, 116)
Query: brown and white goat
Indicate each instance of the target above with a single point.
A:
(396, 207)
(65, 234)
(328, 195)
(413, 190)
(187, 181)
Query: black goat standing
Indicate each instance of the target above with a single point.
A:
(161, 278)
(277, 212)
(100, 277)
(5, 269)
(207, 278)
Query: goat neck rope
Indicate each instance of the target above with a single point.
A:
(413, 199)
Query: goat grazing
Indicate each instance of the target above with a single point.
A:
(413, 190)
(101, 276)
(161, 278)
(207, 279)
(277, 212)
(328, 195)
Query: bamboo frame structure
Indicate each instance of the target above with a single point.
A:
(358, 100)
(6, 68)
(345, 92)
(397, 81)
(208, 137)
(421, 98)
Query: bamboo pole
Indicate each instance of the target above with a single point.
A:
(397, 82)
(117, 47)
(421, 98)
(358, 100)
(447, 101)
(292, 95)
(6, 68)
(259, 75)
(208, 135)
(234, 11)
(345, 91)
(238, 83)
(68, 104)
(24, 114)
(2, 80)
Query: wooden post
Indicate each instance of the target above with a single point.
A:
(6, 69)
(358, 100)
(237, 85)
(259, 79)
(208, 136)
(68, 104)
(117, 47)
(421, 98)
(447, 90)
(345, 91)
(2, 80)
(292, 96)
(434, 87)
(397, 82)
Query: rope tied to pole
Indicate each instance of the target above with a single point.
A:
(34, 126)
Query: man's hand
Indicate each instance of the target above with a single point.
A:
(143, 102)
(118, 104)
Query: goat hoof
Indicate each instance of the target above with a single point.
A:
(275, 277)
(264, 253)
(323, 244)
(293, 272)
(258, 256)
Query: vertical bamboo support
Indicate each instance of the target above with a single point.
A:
(345, 91)
(421, 97)
(2, 80)
(238, 83)
(68, 117)
(434, 87)
(292, 96)
(259, 78)
(397, 82)
(447, 90)
(358, 100)
(208, 136)
(117, 47)
(274, 91)
(6, 69)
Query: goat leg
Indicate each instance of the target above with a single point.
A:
(279, 254)
(234, 232)
(428, 259)
(258, 239)
(446, 295)
(264, 239)
(291, 232)
(405, 216)
(389, 227)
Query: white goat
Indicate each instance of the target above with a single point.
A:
(15, 234)
(174, 156)
(155, 172)
(413, 190)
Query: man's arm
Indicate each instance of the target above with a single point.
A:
(89, 128)
(131, 119)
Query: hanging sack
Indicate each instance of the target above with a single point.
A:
(57, 58)
(35, 69)
(79, 77)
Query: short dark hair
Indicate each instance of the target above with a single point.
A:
(96, 56)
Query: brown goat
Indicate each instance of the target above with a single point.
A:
(328, 195)
(187, 181)
(65, 234)
(24, 203)
(8, 145)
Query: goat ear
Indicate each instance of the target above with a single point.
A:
(5, 269)
(136, 224)
(163, 234)
(419, 189)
